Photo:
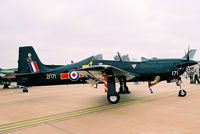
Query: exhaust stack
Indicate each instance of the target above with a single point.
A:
(156, 80)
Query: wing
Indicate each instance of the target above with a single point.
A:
(9, 76)
(2, 75)
(95, 73)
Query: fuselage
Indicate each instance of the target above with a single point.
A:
(167, 69)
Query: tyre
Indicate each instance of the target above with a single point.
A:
(182, 93)
(113, 99)
(25, 90)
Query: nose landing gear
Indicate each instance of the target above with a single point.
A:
(182, 92)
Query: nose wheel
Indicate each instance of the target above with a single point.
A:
(113, 99)
(182, 93)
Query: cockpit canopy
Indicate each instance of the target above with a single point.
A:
(115, 57)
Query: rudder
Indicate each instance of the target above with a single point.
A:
(28, 61)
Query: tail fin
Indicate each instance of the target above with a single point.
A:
(28, 61)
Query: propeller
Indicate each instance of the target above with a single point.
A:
(188, 56)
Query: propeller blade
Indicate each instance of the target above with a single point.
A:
(188, 56)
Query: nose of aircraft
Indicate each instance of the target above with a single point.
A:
(191, 62)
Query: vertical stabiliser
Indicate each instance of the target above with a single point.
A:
(28, 61)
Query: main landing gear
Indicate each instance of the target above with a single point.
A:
(6, 84)
(182, 92)
(24, 89)
(123, 87)
(110, 88)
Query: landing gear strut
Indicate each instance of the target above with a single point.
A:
(149, 85)
(182, 92)
(6, 84)
(112, 96)
(123, 87)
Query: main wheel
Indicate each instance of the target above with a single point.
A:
(6, 84)
(25, 90)
(113, 99)
(182, 93)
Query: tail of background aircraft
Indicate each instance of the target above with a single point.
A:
(28, 61)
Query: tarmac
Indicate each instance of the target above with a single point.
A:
(82, 109)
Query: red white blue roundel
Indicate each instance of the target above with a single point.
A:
(73, 75)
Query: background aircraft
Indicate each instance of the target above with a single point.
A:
(191, 54)
(94, 70)
(7, 76)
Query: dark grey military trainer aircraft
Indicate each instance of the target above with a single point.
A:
(7, 76)
(95, 70)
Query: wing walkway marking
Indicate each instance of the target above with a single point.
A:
(53, 118)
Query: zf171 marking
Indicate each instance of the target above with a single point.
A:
(50, 76)
(174, 73)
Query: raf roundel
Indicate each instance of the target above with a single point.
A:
(73, 75)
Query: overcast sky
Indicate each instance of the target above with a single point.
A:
(64, 30)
